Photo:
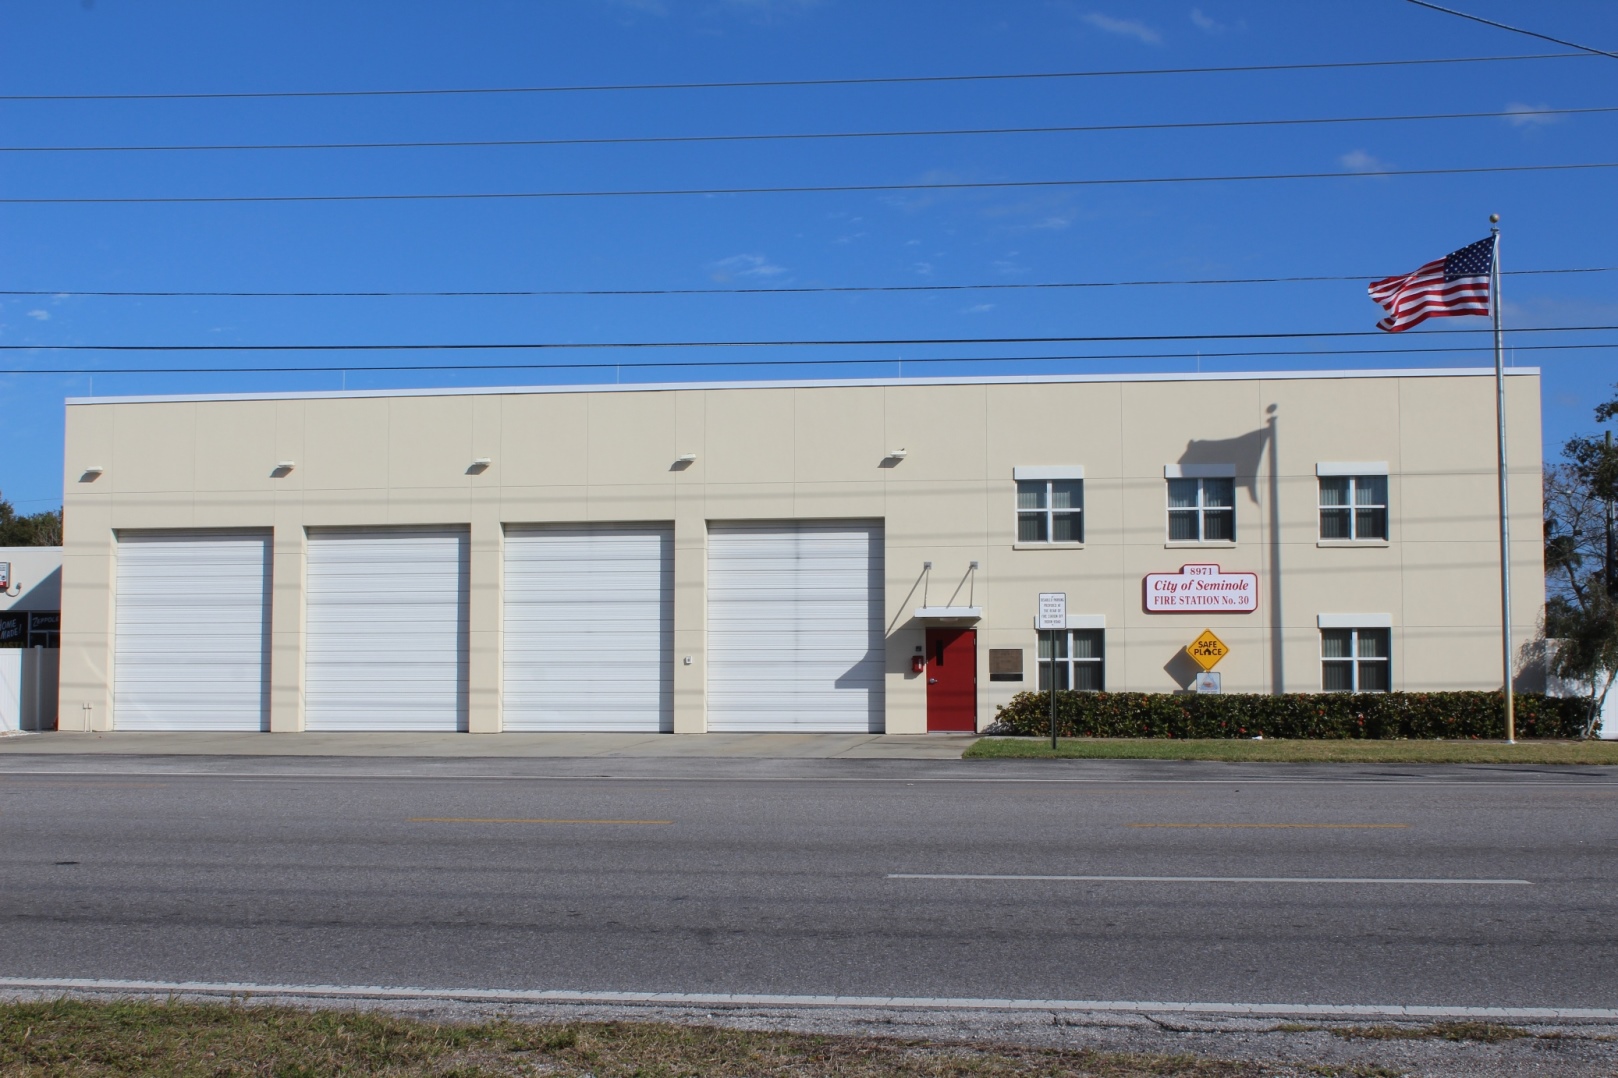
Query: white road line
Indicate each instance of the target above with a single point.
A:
(716, 999)
(1195, 879)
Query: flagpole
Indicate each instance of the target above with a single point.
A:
(1505, 512)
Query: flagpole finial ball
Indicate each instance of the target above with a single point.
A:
(1494, 218)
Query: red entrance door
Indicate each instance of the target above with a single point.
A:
(952, 679)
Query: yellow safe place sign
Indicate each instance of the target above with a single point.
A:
(1207, 649)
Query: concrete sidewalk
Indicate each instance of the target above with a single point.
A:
(688, 746)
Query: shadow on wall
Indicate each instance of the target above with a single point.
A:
(1245, 452)
(1182, 669)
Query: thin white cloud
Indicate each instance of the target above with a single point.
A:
(977, 308)
(771, 7)
(645, 7)
(1207, 24)
(1525, 115)
(1360, 161)
(926, 269)
(1007, 265)
(745, 267)
(1123, 27)
(42, 316)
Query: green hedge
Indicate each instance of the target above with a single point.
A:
(1423, 715)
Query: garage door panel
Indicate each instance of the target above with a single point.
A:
(387, 620)
(795, 627)
(191, 635)
(589, 628)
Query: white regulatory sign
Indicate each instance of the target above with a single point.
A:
(1052, 610)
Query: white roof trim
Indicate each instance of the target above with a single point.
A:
(1048, 471)
(1199, 471)
(827, 383)
(1352, 467)
(1355, 621)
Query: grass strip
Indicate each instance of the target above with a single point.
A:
(1282, 751)
(84, 1039)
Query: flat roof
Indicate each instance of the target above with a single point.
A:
(823, 383)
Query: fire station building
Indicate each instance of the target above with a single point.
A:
(827, 556)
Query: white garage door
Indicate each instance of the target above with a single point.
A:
(191, 650)
(386, 630)
(795, 627)
(589, 628)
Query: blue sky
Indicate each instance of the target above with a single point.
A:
(1362, 225)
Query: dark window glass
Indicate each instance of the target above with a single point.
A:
(1219, 525)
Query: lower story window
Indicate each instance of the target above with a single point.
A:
(1355, 660)
(1080, 660)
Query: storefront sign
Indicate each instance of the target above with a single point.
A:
(1201, 589)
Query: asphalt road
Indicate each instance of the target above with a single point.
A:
(779, 877)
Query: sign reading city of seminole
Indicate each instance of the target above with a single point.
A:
(1201, 589)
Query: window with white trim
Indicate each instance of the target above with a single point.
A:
(1050, 510)
(1080, 661)
(1354, 507)
(1202, 510)
(1356, 660)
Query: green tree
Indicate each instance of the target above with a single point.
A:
(38, 529)
(1581, 609)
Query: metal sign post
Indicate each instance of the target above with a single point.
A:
(1051, 619)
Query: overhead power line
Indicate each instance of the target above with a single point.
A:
(897, 80)
(447, 196)
(780, 290)
(866, 361)
(458, 144)
(823, 343)
(1513, 29)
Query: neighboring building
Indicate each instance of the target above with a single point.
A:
(781, 556)
(30, 620)
(30, 596)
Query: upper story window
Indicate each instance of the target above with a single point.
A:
(1353, 501)
(1355, 660)
(1202, 507)
(1050, 504)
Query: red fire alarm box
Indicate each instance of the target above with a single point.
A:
(918, 663)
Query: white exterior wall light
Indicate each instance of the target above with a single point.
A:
(283, 468)
(91, 473)
(898, 454)
(682, 462)
(479, 465)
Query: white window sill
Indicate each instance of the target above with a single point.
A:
(1212, 544)
(1047, 546)
(1352, 542)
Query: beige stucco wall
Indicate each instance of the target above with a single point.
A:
(817, 452)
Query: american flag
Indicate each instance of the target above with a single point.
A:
(1458, 283)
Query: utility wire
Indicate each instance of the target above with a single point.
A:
(774, 83)
(1513, 29)
(795, 189)
(468, 346)
(782, 290)
(864, 362)
(805, 136)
